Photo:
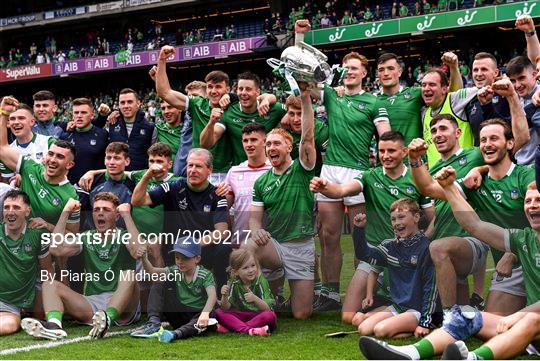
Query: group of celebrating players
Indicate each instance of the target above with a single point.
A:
(92, 210)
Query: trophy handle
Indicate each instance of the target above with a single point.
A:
(312, 49)
(273, 62)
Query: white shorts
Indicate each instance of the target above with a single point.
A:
(8, 307)
(395, 312)
(512, 285)
(100, 301)
(216, 178)
(297, 258)
(340, 175)
(479, 254)
(367, 268)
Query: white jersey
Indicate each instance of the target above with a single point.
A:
(37, 148)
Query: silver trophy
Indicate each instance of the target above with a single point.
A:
(302, 63)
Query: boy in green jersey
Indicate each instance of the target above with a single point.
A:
(283, 193)
(111, 292)
(508, 336)
(22, 255)
(190, 292)
(381, 187)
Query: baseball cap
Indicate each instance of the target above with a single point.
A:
(188, 246)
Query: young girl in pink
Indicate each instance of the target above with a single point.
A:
(246, 300)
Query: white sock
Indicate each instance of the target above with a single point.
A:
(56, 322)
(334, 295)
(471, 356)
(409, 350)
(464, 351)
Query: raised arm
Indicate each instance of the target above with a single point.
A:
(134, 242)
(212, 132)
(140, 196)
(307, 152)
(59, 246)
(526, 24)
(163, 88)
(451, 60)
(8, 155)
(426, 185)
(488, 233)
(520, 127)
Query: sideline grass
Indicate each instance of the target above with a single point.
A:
(292, 340)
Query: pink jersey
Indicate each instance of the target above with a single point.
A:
(241, 179)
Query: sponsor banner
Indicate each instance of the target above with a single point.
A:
(23, 19)
(424, 23)
(26, 72)
(139, 59)
(114, 5)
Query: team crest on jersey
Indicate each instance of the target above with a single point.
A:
(56, 201)
(117, 128)
(473, 110)
(39, 155)
(28, 248)
(409, 190)
(207, 208)
(182, 204)
(361, 106)
(93, 142)
(103, 253)
(143, 132)
(414, 260)
(407, 95)
(462, 161)
(514, 193)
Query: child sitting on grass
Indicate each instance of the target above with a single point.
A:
(189, 293)
(412, 276)
(246, 300)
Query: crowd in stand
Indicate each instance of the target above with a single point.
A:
(233, 175)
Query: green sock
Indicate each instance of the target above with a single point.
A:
(324, 289)
(425, 349)
(333, 291)
(112, 313)
(55, 317)
(484, 353)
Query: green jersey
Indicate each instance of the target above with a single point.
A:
(169, 136)
(287, 201)
(351, 126)
(380, 192)
(234, 119)
(46, 200)
(501, 201)
(103, 260)
(199, 110)
(463, 161)
(193, 294)
(259, 287)
(20, 266)
(321, 140)
(405, 111)
(149, 220)
(525, 245)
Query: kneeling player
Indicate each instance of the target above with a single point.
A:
(111, 292)
(21, 256)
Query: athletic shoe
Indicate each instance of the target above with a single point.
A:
(455, 351)
(100, 325)
(477, 301)
(284, 306)
(327, 304)
(374, 349)
(148, 330)
(221, 329)
(316, 301)
(42, 329)
(166, 336)
(259, 331)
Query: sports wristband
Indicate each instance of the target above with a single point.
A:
(530, 33)
(417, 164)
(3, 112)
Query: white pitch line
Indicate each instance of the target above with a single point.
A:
(51, 344)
